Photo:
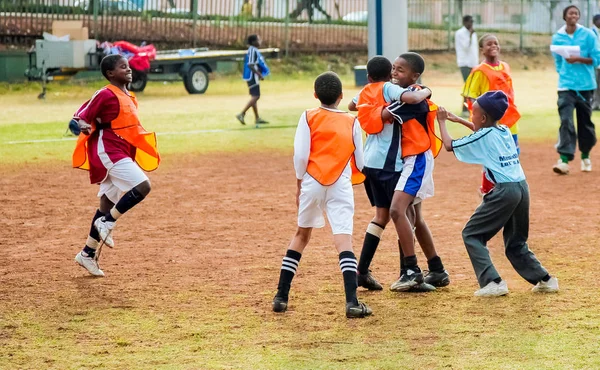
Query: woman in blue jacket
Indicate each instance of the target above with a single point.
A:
(576, 85)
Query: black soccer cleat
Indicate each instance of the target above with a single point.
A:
(357, 311)
(279, 304)
(408, 279)
(438, 279)
(368, 281)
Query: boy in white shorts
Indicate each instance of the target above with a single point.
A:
(327, 158)
(114, 147)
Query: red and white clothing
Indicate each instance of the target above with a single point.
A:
(105, 148)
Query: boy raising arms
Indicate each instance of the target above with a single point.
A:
(115, 148)
(506, 206)
(383, 156)
(327, 144)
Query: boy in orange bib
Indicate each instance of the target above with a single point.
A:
(493, 74)
(114, 147)
(327, 158)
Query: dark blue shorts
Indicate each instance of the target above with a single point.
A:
(380, 186)
(254, 88)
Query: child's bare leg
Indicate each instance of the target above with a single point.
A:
(251, 104)
(289, 266)
(255, 106)
(398, 213)
(372, 239)
(93, 239)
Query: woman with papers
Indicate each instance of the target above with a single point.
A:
(576, 54)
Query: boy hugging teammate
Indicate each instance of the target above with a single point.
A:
(385, 168)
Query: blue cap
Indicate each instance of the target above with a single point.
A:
(494, 103)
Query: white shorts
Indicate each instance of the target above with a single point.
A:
(336, 200)
(417, 176)
(122, 177)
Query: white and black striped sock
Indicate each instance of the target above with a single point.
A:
(289, 266)
(349, 266)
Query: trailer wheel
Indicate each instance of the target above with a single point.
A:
(139, 81)
(196, 80)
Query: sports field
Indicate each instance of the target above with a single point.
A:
(190, 282)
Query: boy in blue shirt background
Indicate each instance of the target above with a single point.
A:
(506, 206)
(255, 70)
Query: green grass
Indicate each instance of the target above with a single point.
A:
(182, 120)
(216, 327)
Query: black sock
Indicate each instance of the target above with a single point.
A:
(127, 202)
(348, 266)
(410, 262)
(546, 278)
(89, 251)
(372, 238)
(93, 232)
(497, 280)
(435, 264)
(289, 266)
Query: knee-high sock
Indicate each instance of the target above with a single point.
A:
(127, 202)
(372, 238)
(348, 265)
(289, 266)
(91, 243)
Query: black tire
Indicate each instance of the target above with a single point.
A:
(196, 80)
(139, 81)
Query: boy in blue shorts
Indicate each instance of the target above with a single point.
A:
(327, 157)
(505, 206)
(383, 166)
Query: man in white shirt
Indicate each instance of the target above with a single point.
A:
(467, 50)
(596, 29)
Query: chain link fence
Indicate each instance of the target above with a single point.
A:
(292, 25)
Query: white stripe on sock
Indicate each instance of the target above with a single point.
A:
(346, 269)
(290, 265)
(288, 259)
(288, 269)
(347, 260)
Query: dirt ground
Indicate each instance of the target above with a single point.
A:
(218, 225)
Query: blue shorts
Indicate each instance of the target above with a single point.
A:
(380, 186)
(416, 178)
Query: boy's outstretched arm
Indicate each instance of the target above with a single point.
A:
(442, 115)
(454, 118)
(415, 97)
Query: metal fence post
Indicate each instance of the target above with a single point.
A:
(521, 16)
(95, 6)
(449, 25)
(194, 22)
(287, 27)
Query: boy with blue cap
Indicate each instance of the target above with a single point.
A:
(506, 206)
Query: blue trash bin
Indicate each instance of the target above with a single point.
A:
(360, 76)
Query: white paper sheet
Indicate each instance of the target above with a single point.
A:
(566, 51)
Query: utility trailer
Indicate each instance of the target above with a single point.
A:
(193, 66)
(55, 60)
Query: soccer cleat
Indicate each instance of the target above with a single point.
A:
(586, 165)
(550, 286)
(437, 279)
(260, 121)
(89, 263)
(493, 289)
(357, 311)
(422, 288)
(279, 304)
(407, 280)
(105, 229)
(561, 168)
(368, 281)
(240, 117)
